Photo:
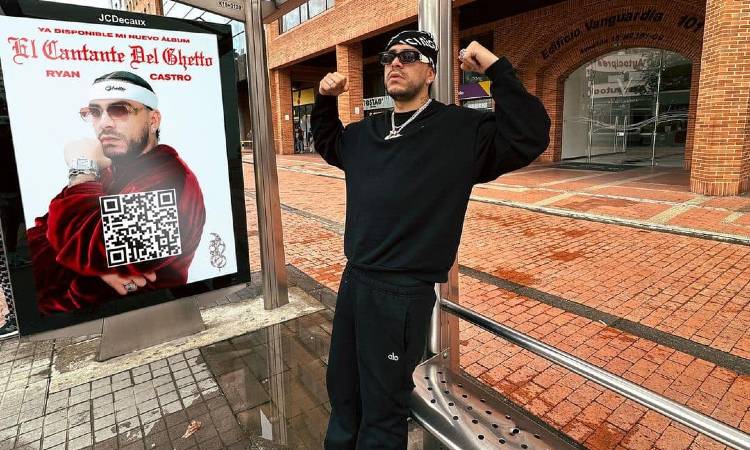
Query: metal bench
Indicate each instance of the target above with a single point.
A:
(460, 414)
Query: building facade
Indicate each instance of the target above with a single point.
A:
(662, 83)
(141, 6)
(626, 82)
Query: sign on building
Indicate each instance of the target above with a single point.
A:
(234, 9)
(374, 103)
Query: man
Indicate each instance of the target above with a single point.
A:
(409, 175)
(70, 261)
(299, 140)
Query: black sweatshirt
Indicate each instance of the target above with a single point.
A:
(406, 197)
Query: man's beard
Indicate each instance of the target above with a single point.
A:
(407, 94)
(134, 149)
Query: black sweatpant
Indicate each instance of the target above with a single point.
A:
(378, 338)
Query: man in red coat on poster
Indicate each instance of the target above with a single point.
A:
(72, 254)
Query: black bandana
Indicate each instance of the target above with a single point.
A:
(421, 40)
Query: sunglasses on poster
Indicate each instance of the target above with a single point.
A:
(115, 111)
(405, 56)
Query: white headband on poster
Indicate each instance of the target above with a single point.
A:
(123, 90)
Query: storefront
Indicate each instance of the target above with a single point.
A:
(474, 89)
(302, 103)
(476, 94)
(628, 107)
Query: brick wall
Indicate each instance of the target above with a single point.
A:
(281, 111)
(721, 156)
(348, 21)
(545, 47)
(349, 64)
(145, 6)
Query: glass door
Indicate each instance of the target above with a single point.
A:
(628, 107)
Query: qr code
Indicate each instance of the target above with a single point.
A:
(140, 227)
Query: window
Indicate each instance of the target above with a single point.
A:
(171, 8)
(316, 7)
(303, 13)
(373, 84)
(291, 19)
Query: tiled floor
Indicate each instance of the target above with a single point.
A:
(148, 407)
(274, 380)
(261, 390)
(269, 383)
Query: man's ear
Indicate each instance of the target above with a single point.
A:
(155, 122)
(431, 75)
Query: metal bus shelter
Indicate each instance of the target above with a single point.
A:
(458, 412)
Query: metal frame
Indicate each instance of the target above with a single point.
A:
(686, 416)
(275, 283)
(656, 107)
(436, 16)
(277, 407)
(255, 13)
(145, 327)
(4, 267)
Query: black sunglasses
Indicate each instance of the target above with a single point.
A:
(405, 56)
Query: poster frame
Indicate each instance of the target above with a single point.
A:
(30, 322)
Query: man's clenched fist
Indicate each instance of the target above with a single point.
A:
(333, 84)
(476, 58)
(88, 149)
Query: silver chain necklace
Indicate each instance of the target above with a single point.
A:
(396, 130)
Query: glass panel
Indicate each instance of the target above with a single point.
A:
(331, 3)
(238, 42)
(623, 85)
(674, 101)
(303, 12)
(290, 19)
(316, 7)
(279, 372)
(237, 27)
(610, 108)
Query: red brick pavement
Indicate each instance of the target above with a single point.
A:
(686, 286)
(633, 194)
(583, 409)
(618, 207)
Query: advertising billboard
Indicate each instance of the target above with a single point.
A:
(125, 135)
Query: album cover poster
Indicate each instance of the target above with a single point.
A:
(120, 148)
